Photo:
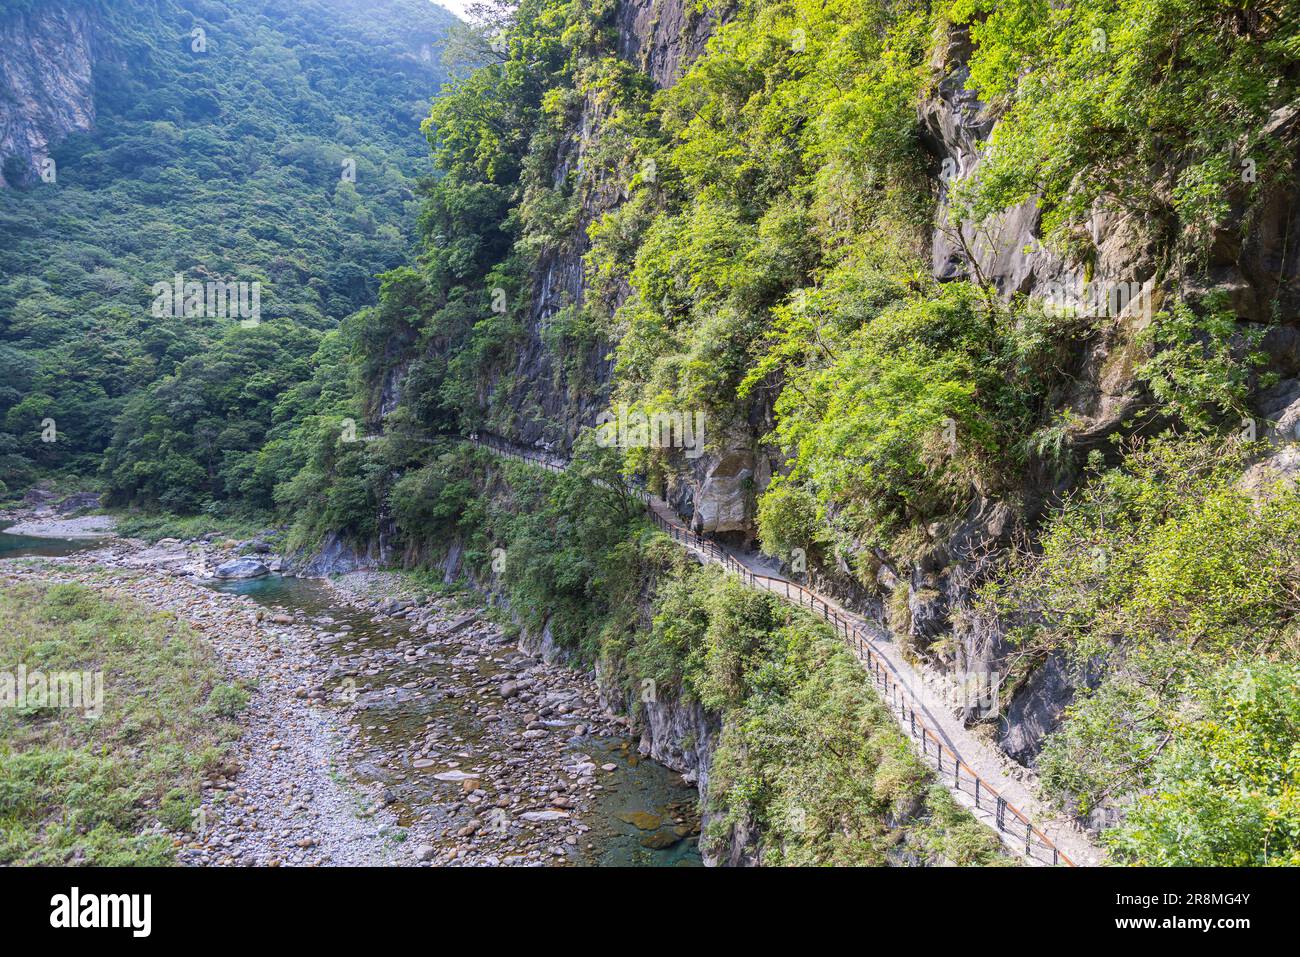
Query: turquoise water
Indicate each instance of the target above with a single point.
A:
(646, 820)
(276, 590)
(22, 546)
(646, 787)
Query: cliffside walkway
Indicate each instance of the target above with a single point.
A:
(976, 773)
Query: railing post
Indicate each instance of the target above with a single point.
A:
(1001, 814)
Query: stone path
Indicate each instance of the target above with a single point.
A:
(910, 696)
(932, 706)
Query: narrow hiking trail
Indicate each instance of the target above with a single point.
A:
(978, 775)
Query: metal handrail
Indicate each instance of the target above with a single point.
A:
(897, 696)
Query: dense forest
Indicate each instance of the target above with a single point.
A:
(236, 142)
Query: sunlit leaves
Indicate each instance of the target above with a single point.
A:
(1151, 106)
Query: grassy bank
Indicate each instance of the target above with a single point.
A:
(155, 526)
(76, 789)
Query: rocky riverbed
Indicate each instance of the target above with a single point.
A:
(386, 728)
(47, 514)
(78, 527)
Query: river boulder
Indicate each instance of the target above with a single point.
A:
(242, 568)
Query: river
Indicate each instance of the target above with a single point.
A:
(648, 818)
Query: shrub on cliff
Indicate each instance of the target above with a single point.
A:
(1170, 582)
(809, 757)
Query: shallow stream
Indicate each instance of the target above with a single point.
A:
(634, 822)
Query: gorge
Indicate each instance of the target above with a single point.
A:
(976, 320)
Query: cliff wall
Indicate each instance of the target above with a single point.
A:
(47, 59)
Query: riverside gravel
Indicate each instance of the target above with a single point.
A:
(514, 793)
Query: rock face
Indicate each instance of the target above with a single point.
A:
(1279, 471)
(338, 557)
(722, 501)
(47, 57)
(550, 401)
(1036, 710)
(662, 37)
(681, 735)
(1258, 273)
(1255, 266)
(1008, 250)
(79, 502)
(1008, 253)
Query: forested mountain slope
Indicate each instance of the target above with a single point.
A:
(271, 141)
(983, 316)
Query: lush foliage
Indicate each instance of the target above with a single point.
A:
(788, 202)
(1173, 586)
(767, 261)
(757, 242)
(809, 756)
(90, 790)
(220, 164)
(566, 551)
(1096, 94)
(1227, 791)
